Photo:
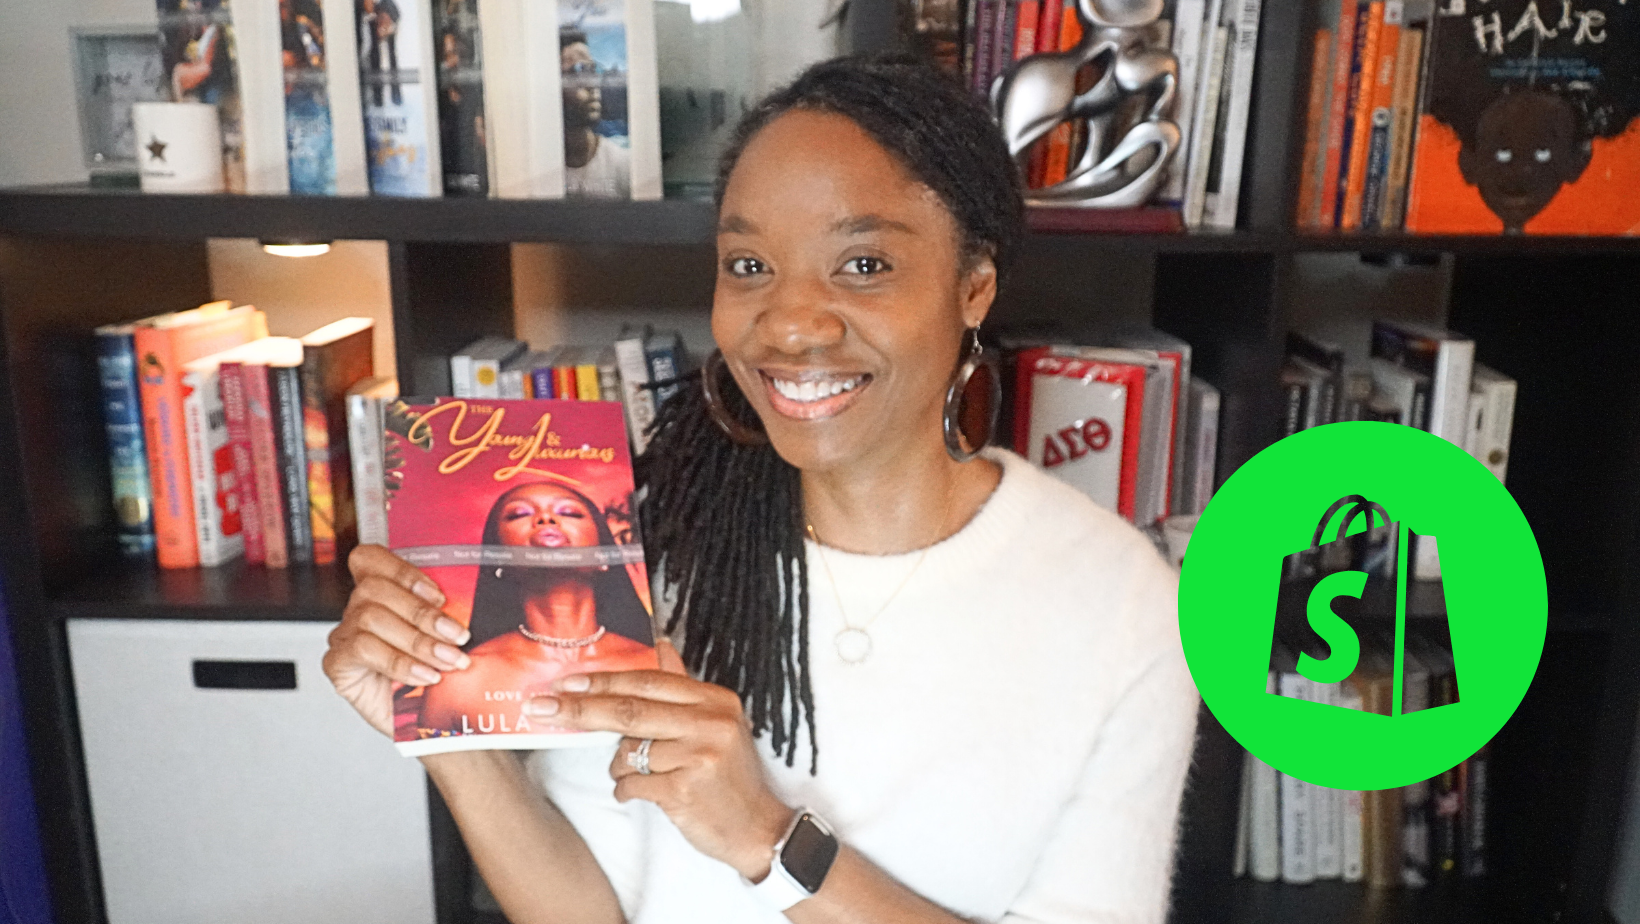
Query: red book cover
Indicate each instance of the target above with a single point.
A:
(265, 464)
(1083, 424)
(1531, 120)
(521, 512)
(236, 411)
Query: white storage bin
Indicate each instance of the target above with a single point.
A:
(269, 803)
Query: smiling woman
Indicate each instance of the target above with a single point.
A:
(988, 686)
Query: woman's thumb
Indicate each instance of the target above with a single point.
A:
(671, 661)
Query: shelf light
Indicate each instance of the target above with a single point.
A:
(296, 248)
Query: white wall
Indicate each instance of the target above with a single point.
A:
(41, 140)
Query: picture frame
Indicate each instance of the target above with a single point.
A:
(114, 67)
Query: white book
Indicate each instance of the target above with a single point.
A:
(523, 97)
(365, 425)
(1206, 120)
(1399, 386)
(1201, 447)
(643, 96)
(464, 366)
(639, 400)
(346, 110)
(1058, 402)
(1244, 47)
(398, 76)
(1350, 847)
(487, 365)
(1156, 431)
(1298, 814)
(1497, 418)
(257, 44)
(1329, 811)
(1244, 816)
(211, 473)
(1189, 28)
(1264, 822)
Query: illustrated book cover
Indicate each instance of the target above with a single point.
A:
(1531, 120)
(521, 512)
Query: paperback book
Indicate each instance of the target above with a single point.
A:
(521, 511)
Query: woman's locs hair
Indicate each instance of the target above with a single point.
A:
(723, 520)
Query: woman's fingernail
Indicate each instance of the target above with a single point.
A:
(425, 674)
(575, 683)
(428, 591)
(452, 630)
(451, 656)
(542, 705)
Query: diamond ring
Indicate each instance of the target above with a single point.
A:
(638, 757)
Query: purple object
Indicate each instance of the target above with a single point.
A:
(23, 896)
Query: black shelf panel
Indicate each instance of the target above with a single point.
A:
(235, 591)
(1335, 902)
(77, 211)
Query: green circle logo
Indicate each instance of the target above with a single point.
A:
(1363, 605)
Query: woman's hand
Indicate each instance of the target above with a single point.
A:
(705, 771)
(391, 630)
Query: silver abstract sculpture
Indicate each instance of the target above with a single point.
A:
(1038, 92)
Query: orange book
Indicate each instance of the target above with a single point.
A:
(1338, 108)
(1309, 191)
(1361, 137)
(1047, 40)
(1057, 161)
(162, 349)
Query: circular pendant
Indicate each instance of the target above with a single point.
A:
(853, 645)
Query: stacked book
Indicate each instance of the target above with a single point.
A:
(225, 442)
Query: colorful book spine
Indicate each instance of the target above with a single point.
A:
(1057, 160)
(1313, 163)
(1382, 118)
(985, 45)
(541, 382)
(564, 385)
(1409, 67)
(127, 453)
(364, 434)
(334, 359)
(236, 412)
(635, 394)
(265, 464)
(463, 152)
(1030, 12)
(400, 99)
(285, 390)
(1003, 45)
(217, 525)
(308, 138)
(1353, 174)
(1338, 110)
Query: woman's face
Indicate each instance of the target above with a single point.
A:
(841, 297)
(547, 516)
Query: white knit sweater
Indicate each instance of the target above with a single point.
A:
(1014, 749)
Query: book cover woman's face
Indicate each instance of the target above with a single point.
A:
(841, 293)
(546, 516)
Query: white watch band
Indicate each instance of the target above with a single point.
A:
(778, 890)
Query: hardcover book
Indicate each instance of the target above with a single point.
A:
(1531, 120)
(463, 149)
(399, 100)
(521, 511)
(334, 358)
(127, 453)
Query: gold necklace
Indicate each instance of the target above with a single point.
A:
(853, 642)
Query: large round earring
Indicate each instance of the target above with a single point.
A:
(737, 432)
(961, 417)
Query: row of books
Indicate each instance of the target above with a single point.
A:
(516, 98)
(1442, 118)
(1417, 375)
(1299, 832)
(1216, 45)
(640, 370)
(1122, 419)
(226, 442)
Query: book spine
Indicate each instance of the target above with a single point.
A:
(322, 456)
(985, 46)
(265, 464)
(1002, 52)
(231, 379)
(216, 519)
(643, 96)
(1361, 97)
(1264, 822)
(1030, 13)
(1298, 822)
(970, 39)
(1207, 111)
(663, 367)
(1244, 817)
(160, 387)
(1407, 63)
(461, 375)
(1350, 865)
(586, 383)
(1446, 797)
(541, 382)
(127, 452)
(399, 104)
(1057, 159)
(1329, 811)
(609, 382)
(1189, 21)
(639, 400)
(1207, 450)
(462, 150)
(486, 378)
(1315, 124)
(284, 385)
(1227, 205)
(563, 383)
(364, 434)
(1338, 109)
(1497, 426)
(1472, 816)
(1382, 118)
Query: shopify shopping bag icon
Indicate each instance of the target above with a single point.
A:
(1340, 595)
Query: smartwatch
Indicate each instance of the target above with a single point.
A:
(802, 859)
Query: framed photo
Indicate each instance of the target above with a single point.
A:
(114, 66)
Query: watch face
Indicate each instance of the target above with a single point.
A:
(808, 854)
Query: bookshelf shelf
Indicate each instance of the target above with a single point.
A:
(235, 591)
(85, 211)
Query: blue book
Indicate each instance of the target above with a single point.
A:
(127, 448)
(308, 139)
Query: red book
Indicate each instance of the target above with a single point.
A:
(1312, 166)
(236, 411)
(1025, 28)
(1081, 420)
(506, 504)
(265, 462)
(162, 350)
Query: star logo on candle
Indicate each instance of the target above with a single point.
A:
(156, 147)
